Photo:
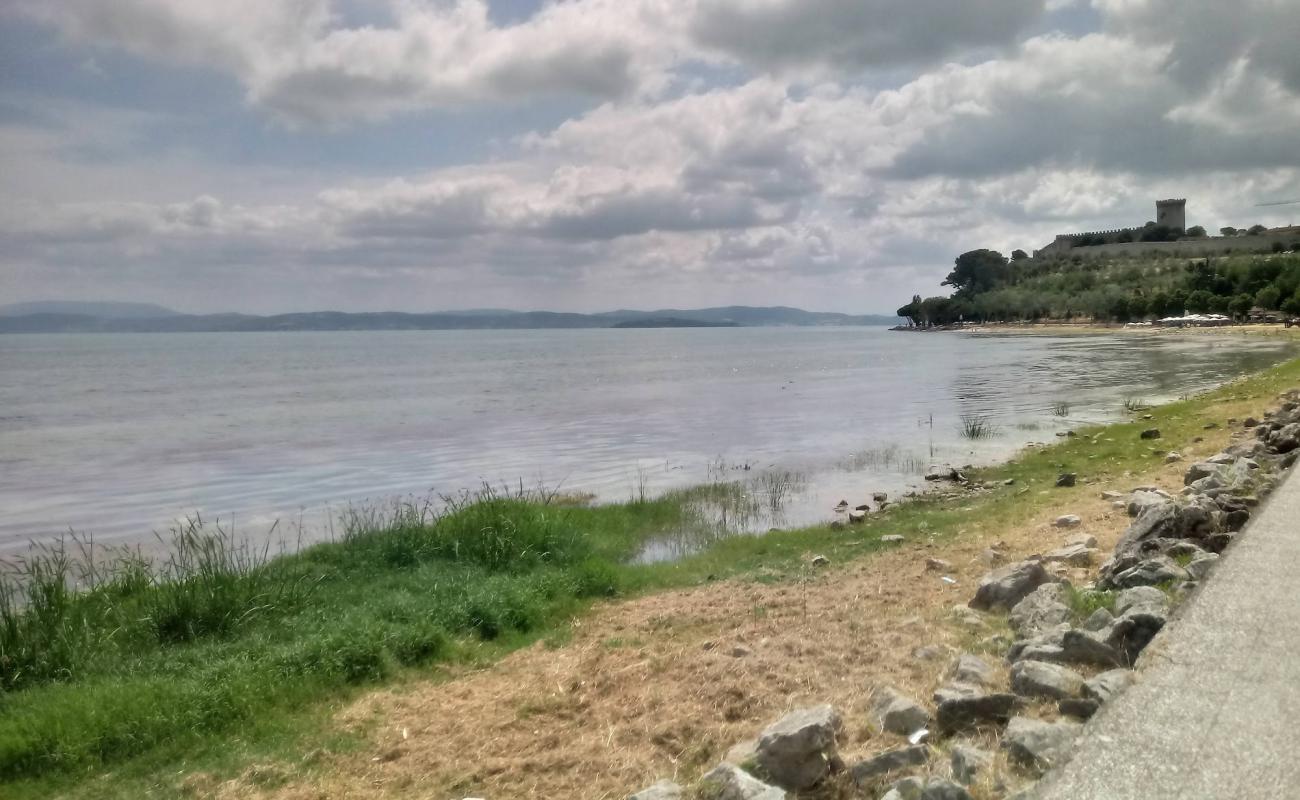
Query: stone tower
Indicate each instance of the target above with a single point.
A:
(1172, 213)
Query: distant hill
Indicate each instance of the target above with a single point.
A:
(100, 310)
(66, 321)
(672, 322)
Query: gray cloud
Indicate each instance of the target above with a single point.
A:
(857, 34)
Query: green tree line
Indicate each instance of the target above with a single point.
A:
(987, 287)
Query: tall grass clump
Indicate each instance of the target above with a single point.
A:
(1061, 408)
(977, 426)
(1134, 405)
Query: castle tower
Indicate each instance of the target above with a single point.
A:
(1172, 213)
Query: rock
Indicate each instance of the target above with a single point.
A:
(968, 762)
(960, 707)
(932, 652)
(1039, 745)
(1173, 458)
(729, 782)
(937, 565)
(797, 751)
(891, 539)
(661, 790)
(1236, 519)
(1140, 598)
(893, 712)
(1285, 439)
(905, 789)
(1186, 550)
(992, 557)
(1197, 518)
(1199, 568)
(1141, 500)
(869, 770)
(1218, 542)
(1041, 679)
(1098, 620)
(1112, 495)
(820, 561)
(1102, 687)
(856, 516)
(941, 473)
(880, 498)
(1249, 422)
(1079, 707)
(1074, 555)
(1002, 588)
(1067, 521)
(1040, 610)
(1066, 479)
(943, 789)
(739, 651)
(972, 670)
(1085, 647)
(1150, 572)
(1150, 433)
(1085, 539)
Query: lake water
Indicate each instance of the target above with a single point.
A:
(120, 435)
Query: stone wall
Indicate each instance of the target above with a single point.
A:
(1208, 246)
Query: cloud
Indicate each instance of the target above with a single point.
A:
(857, 34)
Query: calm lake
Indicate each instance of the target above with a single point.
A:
(118, 436)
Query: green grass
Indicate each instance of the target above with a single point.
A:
(222, 656)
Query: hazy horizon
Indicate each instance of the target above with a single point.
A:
(374, 155)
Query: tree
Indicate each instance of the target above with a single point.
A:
(1241, 305)
(1268, 298)
(1138, 307)
(1228, 231)
(1255, 230)
(1159, 233)
(1196, 231)
(912, 311)
(1019, 255)
(1199, 301)
(1292, 305)
(976, 271)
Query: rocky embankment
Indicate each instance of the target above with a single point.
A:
(994, 726)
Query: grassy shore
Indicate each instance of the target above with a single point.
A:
(221, 656)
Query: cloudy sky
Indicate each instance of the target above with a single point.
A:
(593, 154)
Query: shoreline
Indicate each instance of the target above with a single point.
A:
(752, 566)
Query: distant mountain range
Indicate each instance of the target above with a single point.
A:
(70, 317)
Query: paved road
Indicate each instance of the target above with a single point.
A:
(1216, 709)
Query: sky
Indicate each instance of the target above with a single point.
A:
(586, 155)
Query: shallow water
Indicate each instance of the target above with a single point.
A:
(119, 435)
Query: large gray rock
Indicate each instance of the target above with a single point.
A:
(661, 790)
(1002, 588)
(1086, 647)
(1041, 679)
(1073, 555)
(1153, 521)
(1041, 610)
(910, 788)
(729, 782)
(1143, 598)
(972, 670)
(1199, 567)
(894, 712)
(1200, 470)
(943, 789)
(960, 707)
(1039, 745)
(797, 751)
(1098, 620)
(1285, 439)
(1197, 518)
(872, 769)
(1104, 686)
(1140, 501)
(968, 762)
(1149, 572)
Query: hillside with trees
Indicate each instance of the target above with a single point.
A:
(988, 287)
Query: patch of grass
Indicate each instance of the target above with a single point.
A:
(1061, 408)
(977, 426)
(1085, 602)
(1134, 405)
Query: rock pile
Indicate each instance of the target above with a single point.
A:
(1072, 652)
